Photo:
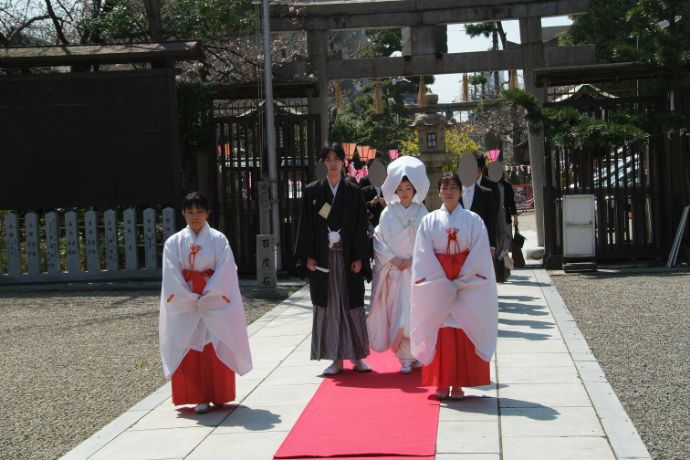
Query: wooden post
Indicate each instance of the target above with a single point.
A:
(93, 262)
(112, 262)
(12, 242)
(130, 224)
(52, 243)
(31, 235)
(72, 239)
(149, 239)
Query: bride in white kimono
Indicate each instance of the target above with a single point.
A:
(388, 323)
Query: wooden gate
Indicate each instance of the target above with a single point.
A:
(626, 182)
(242, 163)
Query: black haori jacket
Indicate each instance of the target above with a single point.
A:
(348, 214)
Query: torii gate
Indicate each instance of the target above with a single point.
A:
(419, 21)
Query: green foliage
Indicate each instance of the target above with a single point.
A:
(207, 19)
(195, 112)
(654, 31)
(569, 128)
(383, 42)
(410, 146)
(459, 142)
(358, 121)
(605, 26)
(649, 31)
(566, 127)
(482, 28)
(195, 119)
(477, 79)
(119, 18)
(529, 102)
(662, 28)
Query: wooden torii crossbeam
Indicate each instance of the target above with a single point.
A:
(431, 64)
(411, 13)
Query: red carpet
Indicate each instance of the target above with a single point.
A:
(382, 414)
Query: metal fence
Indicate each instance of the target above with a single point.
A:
(242, 167)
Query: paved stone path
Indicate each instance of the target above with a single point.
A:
(549, 400)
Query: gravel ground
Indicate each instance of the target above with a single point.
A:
(73, 361)
(638, 327)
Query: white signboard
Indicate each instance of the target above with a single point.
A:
(578, 226)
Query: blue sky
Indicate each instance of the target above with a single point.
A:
(448, 86)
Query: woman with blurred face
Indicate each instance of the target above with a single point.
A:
(454, 313)
(404, 190)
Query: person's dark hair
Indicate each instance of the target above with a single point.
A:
(449, 177)
(329, 147)
(195, 199)
(406, 179)
(481, 160)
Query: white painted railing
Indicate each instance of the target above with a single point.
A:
(35, 249)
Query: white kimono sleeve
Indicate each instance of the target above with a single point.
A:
(432, 295)
(476, 307)
(222, 310)
(178, 317)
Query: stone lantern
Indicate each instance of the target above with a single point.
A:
(431, 127)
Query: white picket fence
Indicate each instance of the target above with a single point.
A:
(33, 253)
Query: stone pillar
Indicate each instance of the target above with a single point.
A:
(431, 127)
(530, 35)
(434, 163)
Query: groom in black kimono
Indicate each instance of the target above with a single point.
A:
(332, 239)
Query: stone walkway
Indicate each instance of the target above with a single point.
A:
(550, 399)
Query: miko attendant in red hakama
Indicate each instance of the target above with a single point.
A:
(454, 305)
(203, 331)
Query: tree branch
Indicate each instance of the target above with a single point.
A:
(56, 23)
(19, 29)
(64, 8)
(502, 34)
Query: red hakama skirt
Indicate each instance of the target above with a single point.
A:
(201, 378)
(455, 363)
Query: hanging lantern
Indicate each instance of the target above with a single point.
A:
(349, 148)
(378, 103)
(364, 152)
(338, 95)
(421, 95)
